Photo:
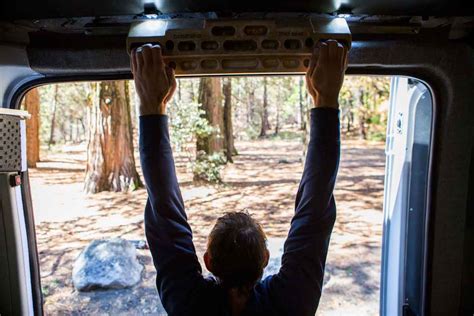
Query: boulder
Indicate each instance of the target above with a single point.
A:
(275, 246)
(107, 264)
(140, 244)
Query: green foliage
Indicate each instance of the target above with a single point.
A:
(285, 95)
(45, 290)
(377, 136)
(186, 123)
(208, 167)
(134, 185)
(69, 101)
(251, 133)
(364, 105)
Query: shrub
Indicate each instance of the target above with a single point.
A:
(187, 122)
(208, 167)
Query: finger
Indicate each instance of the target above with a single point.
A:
(340, 54)
(313, 61)
(159, 62)
(133, 61)
(147, 54)
(157, 56)
(172, 82)
(312, 64)
(311, 70)
(332, 44)
(139, 58)
(346, 58)
(323, 54)
(309, 86)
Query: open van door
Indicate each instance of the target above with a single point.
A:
(405, 207)
(16, 291)
(19, 271)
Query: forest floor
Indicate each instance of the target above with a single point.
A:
(263, 180)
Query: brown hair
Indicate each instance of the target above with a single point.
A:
(238, 251)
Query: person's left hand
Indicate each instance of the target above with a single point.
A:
(154, 81)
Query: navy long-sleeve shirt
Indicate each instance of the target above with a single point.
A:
(296, 288)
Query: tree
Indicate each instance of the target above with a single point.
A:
(54, 106)
(228, 129)
(179, 90)
(210, 98)
(32, 105)
(277, 119)
(363, 113)
(302, 111)
(361, 99)
(265, 125)
(110, 160)
(250, 89)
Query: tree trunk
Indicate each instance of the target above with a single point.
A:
(362, 116)
(53, 116)
(32, 105)
(362, 128)
(179, 90)
(350, 117)
(301, 116)
(77, 135)
(265, 125)
(192, 94)
(277, 121)
(110, 159)
(210, 99)
(250, 104)
(63, 131)
(228, 129)
(82, 134)
(307, 127)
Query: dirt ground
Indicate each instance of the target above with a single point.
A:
(263, 180)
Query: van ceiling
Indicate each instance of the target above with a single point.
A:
(37, 9)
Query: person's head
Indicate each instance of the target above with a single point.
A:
(236, 251)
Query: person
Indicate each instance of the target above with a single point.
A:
(236, 252)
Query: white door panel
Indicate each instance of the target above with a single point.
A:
(405, 96)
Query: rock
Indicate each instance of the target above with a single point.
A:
(139, 244)
(107, 264)
(275, 246)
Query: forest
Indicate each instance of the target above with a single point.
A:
(206, 116)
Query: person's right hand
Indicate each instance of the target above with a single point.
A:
(326, 73)
(154, 81)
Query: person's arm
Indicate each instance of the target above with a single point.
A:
(306, 247)
(298, 284)
(168, 233)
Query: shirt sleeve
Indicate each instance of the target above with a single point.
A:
(167, 231)
(299, 281)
